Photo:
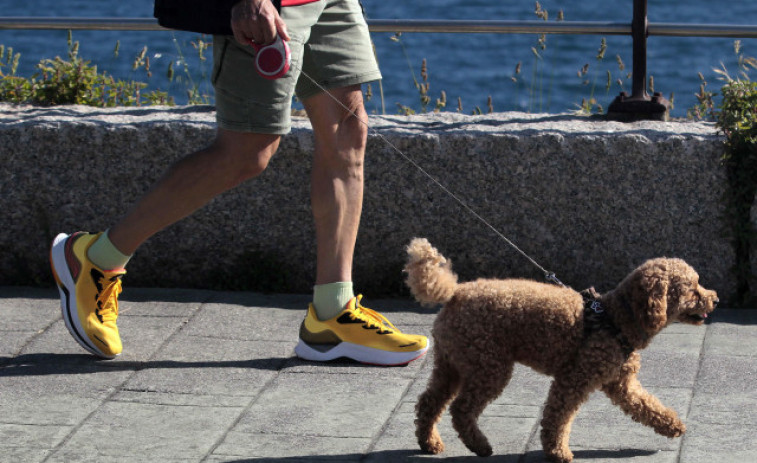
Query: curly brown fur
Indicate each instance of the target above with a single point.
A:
(487, 325)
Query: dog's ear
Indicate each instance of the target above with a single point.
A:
(649, 301)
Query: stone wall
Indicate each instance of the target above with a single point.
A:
(586, 199)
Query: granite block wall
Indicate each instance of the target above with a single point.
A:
(586, 199)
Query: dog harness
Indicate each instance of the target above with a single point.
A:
(596, 319)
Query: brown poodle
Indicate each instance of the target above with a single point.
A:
(584, 340)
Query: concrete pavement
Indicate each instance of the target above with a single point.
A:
(211, 377)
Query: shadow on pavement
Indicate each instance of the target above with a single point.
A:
(415, 455)
(43, 364)
(74, 364)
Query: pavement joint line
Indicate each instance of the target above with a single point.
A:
(533, 433)
(300, 434)
(41, 425)
(228, 338)
(5, 362)
(121, 401)
(244, 411)
(153, 391)
(700, 362)
(394, 412)
(308, 372)
(118, 388)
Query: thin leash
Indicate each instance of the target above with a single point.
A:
(549, 276)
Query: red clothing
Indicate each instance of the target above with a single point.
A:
(296, 2)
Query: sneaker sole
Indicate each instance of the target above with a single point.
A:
(67, 287)
(358, 353)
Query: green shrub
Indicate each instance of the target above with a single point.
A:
(737, 119)
(72, 81)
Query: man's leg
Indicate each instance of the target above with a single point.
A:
(192, 182)
(344, 329)
(89, 289)
(336, 193)
(337, 179)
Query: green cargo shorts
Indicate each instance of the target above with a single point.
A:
(329, 42)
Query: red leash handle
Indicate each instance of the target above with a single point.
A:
(272, 61)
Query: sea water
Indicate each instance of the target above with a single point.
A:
(469, 68)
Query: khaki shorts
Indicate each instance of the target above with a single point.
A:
(329, 42)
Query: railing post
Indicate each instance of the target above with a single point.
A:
(639, 106)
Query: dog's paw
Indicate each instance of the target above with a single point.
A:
(482, 451)
(431, 443)
(559, 456)
(434, 447)
(674, 429)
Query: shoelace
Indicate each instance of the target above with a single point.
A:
(373, 318)
(108, 299)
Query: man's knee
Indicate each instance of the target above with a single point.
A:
(246, 154)
(356, 130)
(341, 131)
(346, 152)
(354, 119)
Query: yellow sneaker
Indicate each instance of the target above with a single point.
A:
(360, 334)
(88, 294)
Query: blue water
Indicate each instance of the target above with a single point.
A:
(466, 66)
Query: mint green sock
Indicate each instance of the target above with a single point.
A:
(105, 255)
(330, 299)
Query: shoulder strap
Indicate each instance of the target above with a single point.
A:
(203, 16)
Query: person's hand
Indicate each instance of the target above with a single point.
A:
(257, 21)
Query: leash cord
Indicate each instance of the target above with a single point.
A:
(549, 276)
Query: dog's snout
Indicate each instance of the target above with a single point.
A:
(715, 302)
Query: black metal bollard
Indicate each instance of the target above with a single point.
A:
(639, 106)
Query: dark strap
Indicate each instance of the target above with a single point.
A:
(202, 16)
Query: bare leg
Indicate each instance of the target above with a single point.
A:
(193, 181)
(337, 179)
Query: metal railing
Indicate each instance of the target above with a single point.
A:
(418, 25)
(639, 105)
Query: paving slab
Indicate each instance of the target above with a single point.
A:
(130, 431)
(211, 376)
(245, 446)
(724, 443)
(24, 317)
(329, 405)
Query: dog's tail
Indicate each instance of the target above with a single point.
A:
(429, 274)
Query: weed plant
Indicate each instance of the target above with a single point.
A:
(73, 80)
(539, 85)
(736, 117)
(70, 81)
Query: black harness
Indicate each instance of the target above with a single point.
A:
(596, 319)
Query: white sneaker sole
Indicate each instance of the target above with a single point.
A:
(358, 353)
(67, 290)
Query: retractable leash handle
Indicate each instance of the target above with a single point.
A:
(272, 61)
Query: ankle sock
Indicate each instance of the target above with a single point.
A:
(105, 255)
(329, 299)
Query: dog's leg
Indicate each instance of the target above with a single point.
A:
(441, 389)
(566, 395)
(481, 385)
(628, 393)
